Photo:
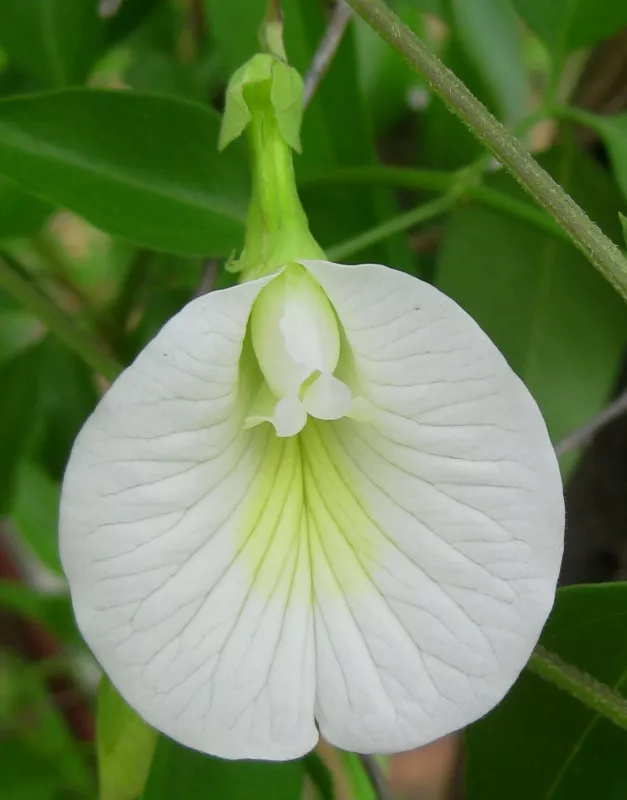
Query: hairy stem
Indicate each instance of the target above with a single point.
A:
(592, 693)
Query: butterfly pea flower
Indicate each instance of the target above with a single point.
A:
(319, 502)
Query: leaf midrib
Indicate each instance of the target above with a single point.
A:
(36, 148)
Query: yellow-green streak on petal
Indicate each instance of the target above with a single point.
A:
(302, 503)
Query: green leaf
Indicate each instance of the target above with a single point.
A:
(567, 25)
(140, 167)
(546, 744)
(623, 222)
(21, 214)
(52, 611)
(16, 419)
(55, 41)
(125, 746)
(613, 131)
(489, 32)
(189, 775)
(34, 513)
(162, 74)
(558, 323)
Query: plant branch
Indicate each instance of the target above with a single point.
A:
(588, 431)
(391, 226)
(579, 684)
(326, 50)
(439, 181)
(601, 251)
(25, 292)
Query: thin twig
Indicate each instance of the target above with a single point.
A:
(208, 276)
(588, 431)
(376, 776)
(390, 227)
(326, 49)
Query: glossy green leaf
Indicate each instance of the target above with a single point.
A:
(52, 611)
(623, 222)
(34, 513)
(21, 214)
(189, 775)
(490, 34)
(16, 419)
(546, 744)
(125, 746)
(140, 167)
(567, 25)
(56, 41)
(559, 324)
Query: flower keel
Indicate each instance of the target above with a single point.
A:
(296, 340)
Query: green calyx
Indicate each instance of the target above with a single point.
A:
(264, 101)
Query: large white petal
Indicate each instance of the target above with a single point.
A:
(436, 527)
(181, 538)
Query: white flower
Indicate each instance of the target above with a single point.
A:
(375, 562)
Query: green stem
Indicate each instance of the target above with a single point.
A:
(601, 251)
(391, 226)
(25, 292)
(436, 181)
(595, 695)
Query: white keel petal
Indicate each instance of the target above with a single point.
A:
(182, 545)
